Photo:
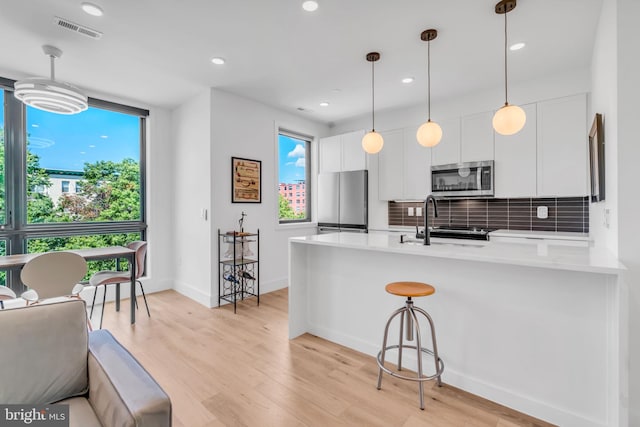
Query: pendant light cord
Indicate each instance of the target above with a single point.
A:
(506, 97)
(373, 100)
(429, 80)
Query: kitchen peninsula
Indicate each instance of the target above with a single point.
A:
(532, 326)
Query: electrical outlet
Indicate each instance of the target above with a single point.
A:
(418, 211)
(543, 212)
(606, 214)
(410, 211)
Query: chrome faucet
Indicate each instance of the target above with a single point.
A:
(427, 233)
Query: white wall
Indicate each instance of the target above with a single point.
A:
(159, 198)
(244, 128)
(628, 15)
(547, 87)
(191, 152)
(604, 100)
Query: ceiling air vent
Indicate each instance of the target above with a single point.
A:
(76, 28)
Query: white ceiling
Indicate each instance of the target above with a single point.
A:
(157, 52)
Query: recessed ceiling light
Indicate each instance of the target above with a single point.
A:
(517, 46)
(407, 80)
(218, 61)
(92, 9)
(310, 6)
(35, 126)
(324, 104)
(104, 136)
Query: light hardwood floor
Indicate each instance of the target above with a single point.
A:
(222, 369)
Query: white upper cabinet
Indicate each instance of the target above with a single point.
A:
(330, 154)
(353, 155)
(477, 137)
(515, 160)
(391, 166)
(417, 166)
(448, 150)
(562, 147)
(342, 152)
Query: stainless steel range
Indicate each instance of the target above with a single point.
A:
(453, 232)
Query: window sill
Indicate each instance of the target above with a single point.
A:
(296, 225)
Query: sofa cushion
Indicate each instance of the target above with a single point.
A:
(44, 353)
(80, 413)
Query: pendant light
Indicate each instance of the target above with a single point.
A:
(430, 133)
(372, 142)
(49, 94)
(509, 119)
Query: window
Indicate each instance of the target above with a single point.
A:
(77, 180)
(293, 173)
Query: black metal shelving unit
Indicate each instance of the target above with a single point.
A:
(238, 274)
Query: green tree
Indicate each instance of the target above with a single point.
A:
(286, 211)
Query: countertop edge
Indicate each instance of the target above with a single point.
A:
(548, 263)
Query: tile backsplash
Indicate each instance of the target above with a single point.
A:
(564, 214)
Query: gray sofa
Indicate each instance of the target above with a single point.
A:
(48, 356)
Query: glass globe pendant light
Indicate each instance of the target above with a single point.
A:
(430, 133)
(509, 119)
(372, 142)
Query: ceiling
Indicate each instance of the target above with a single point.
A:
(158, 52)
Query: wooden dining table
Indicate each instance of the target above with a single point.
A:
(17, 261)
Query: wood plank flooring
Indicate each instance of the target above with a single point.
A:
(222, 369)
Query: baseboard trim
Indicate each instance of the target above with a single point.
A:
(495, 393)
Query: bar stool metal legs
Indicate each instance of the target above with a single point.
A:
(408, 324)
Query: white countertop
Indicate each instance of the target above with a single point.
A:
(560, 235)
(543, 255)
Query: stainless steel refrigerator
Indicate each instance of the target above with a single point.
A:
(343, 201)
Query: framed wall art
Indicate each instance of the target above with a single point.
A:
(596, 159)
(246, 180)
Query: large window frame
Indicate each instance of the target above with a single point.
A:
(17, 231)
(307, 140)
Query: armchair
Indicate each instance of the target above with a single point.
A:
(54, 359)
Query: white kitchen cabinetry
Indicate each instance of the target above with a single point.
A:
(477, 137)
(515, 160)
(448, 150)
(562, 147)
(404, 166)
(342, 153)
(417, 166)
(353, 155)
(330, 154)
(390, 166)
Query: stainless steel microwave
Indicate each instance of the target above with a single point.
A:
(470, 179)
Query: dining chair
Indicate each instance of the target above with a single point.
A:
(54, 274)
(109, 277)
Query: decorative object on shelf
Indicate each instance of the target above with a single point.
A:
(239, 276)
(49, 94)
(246, 177)
(596, 159)
(429, 133)
(509, 119)
(372, 142)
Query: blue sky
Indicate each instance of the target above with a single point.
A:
(67, 142)
(291, 155)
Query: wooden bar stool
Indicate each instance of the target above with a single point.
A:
(409, 290)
